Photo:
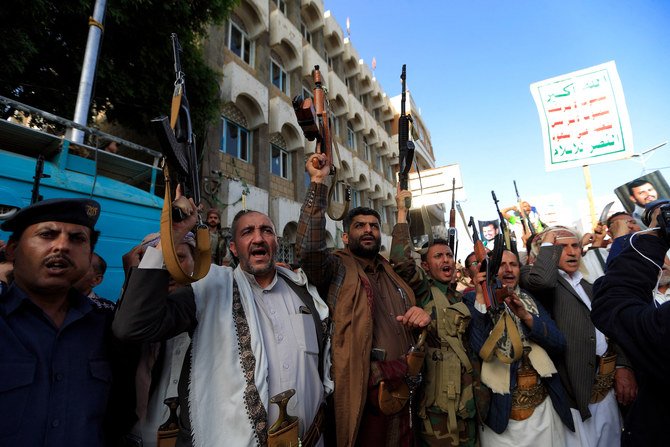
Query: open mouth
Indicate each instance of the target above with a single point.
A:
(258, 252)
(57, 264)
(508, 279)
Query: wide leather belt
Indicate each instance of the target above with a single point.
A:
(604, 380)
(525, 400)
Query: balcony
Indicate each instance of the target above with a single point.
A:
(333, 35)
(255, 14)
(361, 171)
(312, 11)
(231, 192)
(284, 213)
(355, 113)
(310, 58)
(350, 59)
(246, 92)
(370, 128)
(337, 94)
(284, 122)
(286, 40)
(366, 84)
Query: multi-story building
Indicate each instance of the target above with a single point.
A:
(266, 52)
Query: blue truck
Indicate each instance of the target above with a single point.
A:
(124, 183)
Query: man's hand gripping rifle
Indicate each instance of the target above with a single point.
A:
(494, 297)
(177, 141)
(313, 118)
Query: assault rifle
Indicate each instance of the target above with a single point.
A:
(176, 137)
(528, 227)
(452, 234)
(504, 229)
(177, 142)
(37, 178)
(489, 264)
(313, 118)
(494, 293)
(405, 146)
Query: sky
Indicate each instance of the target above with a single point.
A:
(469, 69)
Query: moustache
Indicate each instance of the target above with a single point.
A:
(58, 258)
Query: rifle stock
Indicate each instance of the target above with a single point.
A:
(313, 119)
(480, 255)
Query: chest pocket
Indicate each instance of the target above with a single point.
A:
(16, 376)
(305, 332)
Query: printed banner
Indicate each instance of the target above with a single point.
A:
(584, 118)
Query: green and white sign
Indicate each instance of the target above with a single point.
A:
(584, 118)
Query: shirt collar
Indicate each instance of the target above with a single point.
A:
(254, 284)
(574, 280)
(15, 297)
(369, 265)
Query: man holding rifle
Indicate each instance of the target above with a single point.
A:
(528, 401)
(257, 331)
(374, 318)
(447, 419)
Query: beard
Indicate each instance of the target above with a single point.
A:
(258, 269)
(361, 251)
(665, 278)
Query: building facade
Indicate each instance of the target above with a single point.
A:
(255, 155)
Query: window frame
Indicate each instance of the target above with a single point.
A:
(284, 86)
(245, 40)
(284, 162)
(282, 6)
(227, 123)
(351, 136)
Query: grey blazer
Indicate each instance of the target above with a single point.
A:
(578, 367)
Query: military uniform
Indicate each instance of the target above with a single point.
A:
(447, 408)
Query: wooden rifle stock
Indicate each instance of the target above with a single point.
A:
(480, 255)
(312, 116)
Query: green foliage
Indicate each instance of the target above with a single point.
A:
(43, 42)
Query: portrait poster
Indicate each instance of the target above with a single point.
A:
(641, 190)
(488, 230)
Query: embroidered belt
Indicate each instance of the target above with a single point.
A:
(525, 400)
(604, 380)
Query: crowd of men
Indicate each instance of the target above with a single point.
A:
(347, 349)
